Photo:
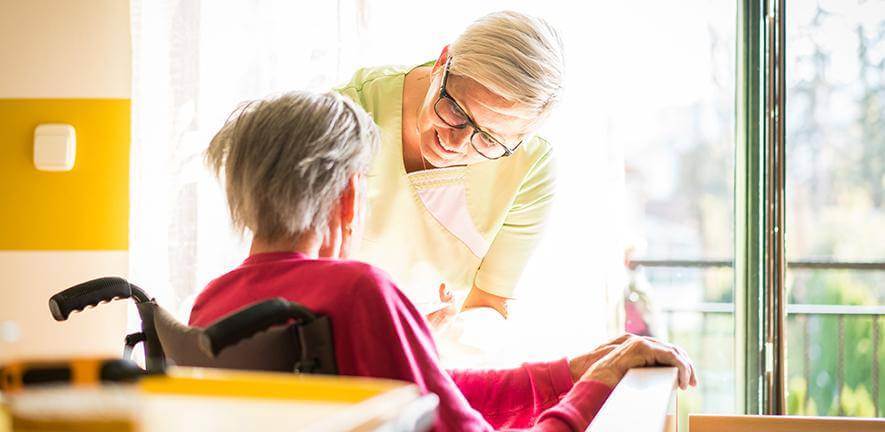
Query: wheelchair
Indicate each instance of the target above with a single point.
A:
(273, 335)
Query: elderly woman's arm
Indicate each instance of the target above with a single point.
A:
(391, 340)
(515, 398)
(530, 389)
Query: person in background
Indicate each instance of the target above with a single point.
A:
(294, 169)
(642, 315)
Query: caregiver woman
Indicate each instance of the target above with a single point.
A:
(460, 189)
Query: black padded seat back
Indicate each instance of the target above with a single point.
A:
(277, 349)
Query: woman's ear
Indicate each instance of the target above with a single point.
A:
(441, 60)
(348, 204)
(350, 210)
(342, 217)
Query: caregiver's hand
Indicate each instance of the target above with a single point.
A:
(637, 351)
(478, 298)
(440, 319)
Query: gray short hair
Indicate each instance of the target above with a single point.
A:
(516, 56)
(286, 160)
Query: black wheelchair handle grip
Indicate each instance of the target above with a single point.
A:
(249, 321)
(92, 293)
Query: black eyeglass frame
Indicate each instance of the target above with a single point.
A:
(443, 94)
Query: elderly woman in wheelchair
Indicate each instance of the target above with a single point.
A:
(294, 169)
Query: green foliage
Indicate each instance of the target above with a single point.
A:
(797, 403)
(823, 348)
(856, 402)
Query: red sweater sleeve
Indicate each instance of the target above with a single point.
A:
(576, 410)
(388, 338)
(520, 395)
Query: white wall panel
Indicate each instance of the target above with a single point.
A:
(64, 49)
(29, 278)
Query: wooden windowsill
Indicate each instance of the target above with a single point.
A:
(736, 423)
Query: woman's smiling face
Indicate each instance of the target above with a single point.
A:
(443, 145)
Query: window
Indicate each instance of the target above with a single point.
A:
(677, 132)
(835, 140)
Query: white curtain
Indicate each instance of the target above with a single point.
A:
(194, 61)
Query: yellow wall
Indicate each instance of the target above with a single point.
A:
(86, 208)
(63, 62)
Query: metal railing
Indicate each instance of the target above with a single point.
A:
(805, 264)
(803, 313)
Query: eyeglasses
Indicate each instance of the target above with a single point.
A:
(454, 116)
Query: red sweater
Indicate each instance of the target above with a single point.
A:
(378, 333)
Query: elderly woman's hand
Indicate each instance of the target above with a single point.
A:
(578, 365)
(610, 362)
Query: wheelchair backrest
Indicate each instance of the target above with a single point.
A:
(276, 349)
(297, 347)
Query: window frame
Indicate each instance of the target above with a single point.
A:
(760, 264)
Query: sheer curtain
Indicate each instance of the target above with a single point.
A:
(194, 61)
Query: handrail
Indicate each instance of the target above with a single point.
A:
(651, 390)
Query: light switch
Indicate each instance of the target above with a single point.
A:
(55, 147)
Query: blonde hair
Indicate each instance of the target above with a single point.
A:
(286, 160)
(515, 56)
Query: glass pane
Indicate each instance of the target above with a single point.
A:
(680, 188)
(835, 206)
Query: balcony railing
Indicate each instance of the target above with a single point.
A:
(800, 319)
(808, 264)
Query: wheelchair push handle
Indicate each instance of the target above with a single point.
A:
(92, 293)
(250, 321)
